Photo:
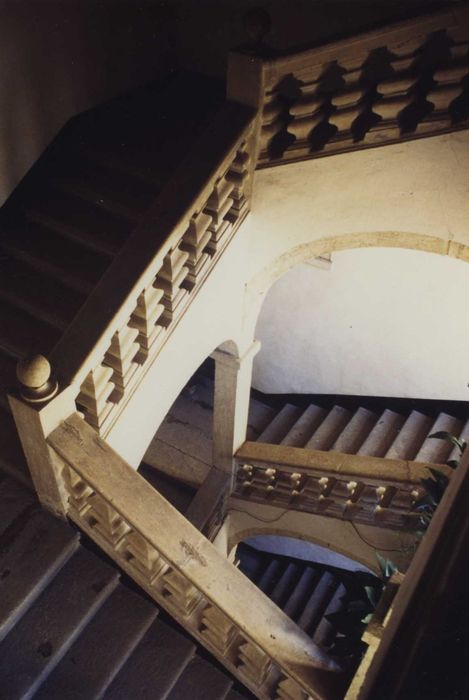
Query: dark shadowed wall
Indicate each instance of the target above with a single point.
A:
(60, 57)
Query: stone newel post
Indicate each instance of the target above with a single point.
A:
(38, 408)
(231, 404)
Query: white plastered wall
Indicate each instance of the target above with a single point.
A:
(410, 195)
(377, 322)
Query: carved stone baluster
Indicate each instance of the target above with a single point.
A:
(309, 496)
(170, 278)
(297, 482)
(449, 87)
(78, 491)
(238, 174)
(324, 501)
(244, 476)
(145, 317)
(219, 631)
(396, 96)
(352, 505)
(219, 206)
(272, 121)
(288, 689)
(180, 592)
(139, 553)
(348, 107)
(353, 68)
(194, 241)
(307, 114)
(94, 395)
(121, 356)
(101, 517)
(254, 663)
(459, 35)
(382, 511)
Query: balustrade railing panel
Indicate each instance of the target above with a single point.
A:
(403, 81)
(150, 284)
(368, 490)
(421, 600)
(184, 573)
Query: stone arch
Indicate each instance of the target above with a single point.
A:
(263, 281)
(339, 536)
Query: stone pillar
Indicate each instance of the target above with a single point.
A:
(38, 408)
(231, 403)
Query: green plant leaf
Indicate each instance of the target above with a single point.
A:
(439, 477)
(444, 435)
(373, 595)
(388, 568)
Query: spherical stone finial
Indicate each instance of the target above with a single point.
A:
(257, 24)
(34, 375)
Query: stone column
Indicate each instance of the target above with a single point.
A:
(38, 408)
(231, 403)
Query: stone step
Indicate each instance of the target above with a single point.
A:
(304, 427)
(410, 437)
(34, 552)
(21, 333)
(176, 492)
(81, 221)
(47, 630)
(355, 432)
(155, 665)
(300, 593)
(317, 603)
(174, 462)
(234, 695)
(259, 417)
(329, 430)
(260, 413)
(325, 632)
(58, 257)
(38, 294)
(12, 459)
(281, 424)
(186, 411)
(15, 499)
(8, 381)
(102, 649)
(438, 451)
(200, 680)
(116, 191)
(383, 434)
(269, 576)
(285, 584)
(178, 430)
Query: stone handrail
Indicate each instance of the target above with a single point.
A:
(137, 304)
(421, 601)
(183, 572)
(402, 81)
(369, 490)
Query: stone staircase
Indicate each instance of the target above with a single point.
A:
(63, 225)
(307, 592)
(72, 627)
(183, 446)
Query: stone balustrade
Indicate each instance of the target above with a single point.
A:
(132, 312)
(182, 571)
(403, 81)
(368, 490)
